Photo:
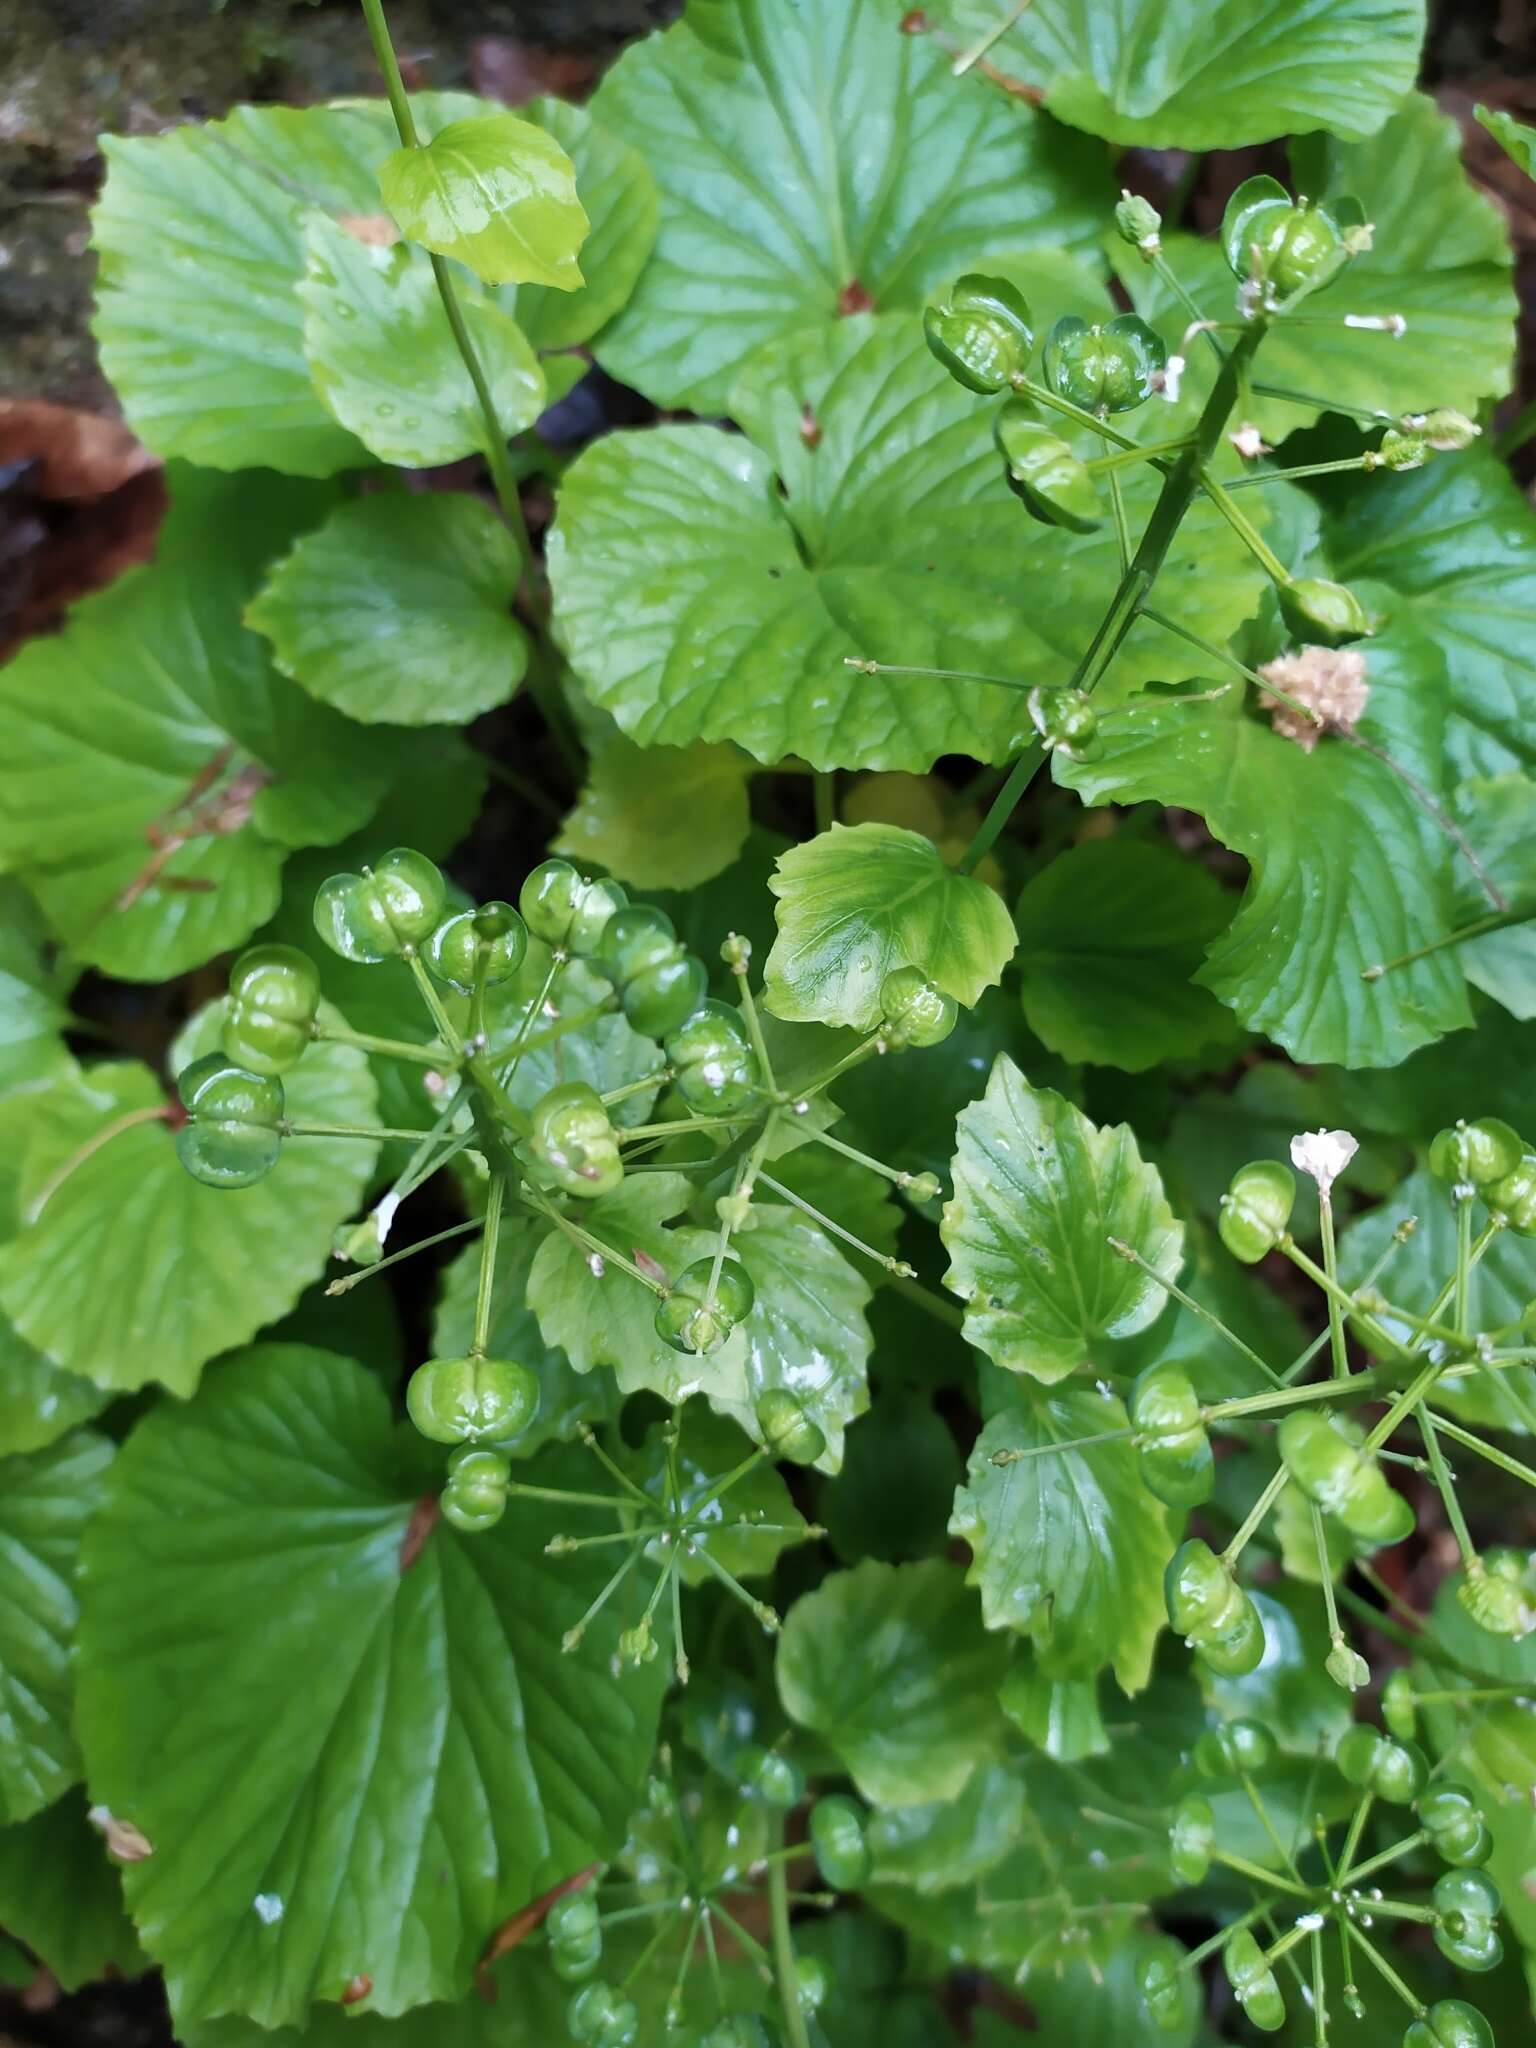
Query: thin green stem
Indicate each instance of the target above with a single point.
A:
(1117, 506)
(386, 1048)
(292, 1129)
(396, 1258)
(1496, 921)
(949, 1313)
(1245, 530)
(1256, 1514)
(485, 1286)
(1491, 1452)
(787, 1194)
(1331, 1268)
(1352, 1840)
(592, 1247)
(1133, 1257)
(1303, 469)
(1461, 1301)
(1398, 1850)
(1143, 451)
(1447, 1490)
(1259, 1875)
(784, 1956)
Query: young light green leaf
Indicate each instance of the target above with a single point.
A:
(384, 359)
(813, 161)
(1439, 257)
(1111, 934)
(38, 1402)
(45, 1501)
(1039, 1191)
(890, 1664)
(700, 599)
(1455, 543)
(1347, 870)
(1515, 138)
(660, 817)
(496, 193)
(399, 608)
(503, 1767)
(860, 900)
(156, 765)
(129, 1271)
(1205, 74)
(1067, 1546)
(62, 1896)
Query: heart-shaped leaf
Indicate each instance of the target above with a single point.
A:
(860, 900)
(1067, 1546)
(891, 1665)
(156, 765)
(1039, 1192)
(713, 587)
(399, 608)
(1347, 868)
(129, 1271)
(1204, 74)
(495, 192)
(404, 1688)
(814, 161)
(660, 817)
(45, 1501)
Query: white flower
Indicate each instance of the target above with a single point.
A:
(1249, 442)
(1324, 1155)
(1326, 682)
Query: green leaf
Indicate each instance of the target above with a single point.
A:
(1516, 139)
(892, 1498)
(200, 239)
(708, 1448)
(156, 765)
(1440, 257)
(38, 1402)
(1503, 1282)
(1111, 934)
(1205, 76)
(61, 1895)
(865, 517)
(660, 817)
(133, 1271)
(891, 1665)
(812, 161)
(1290, 1691)
(385, 361)
(1067, 1547)
(399, 608)
(1347, 871)
(1039, 1191)
(860, 900)
(1498, 815)
(1456, 543)
(566, 1398)
(397, 1759)
(35, 980)
(495, 192)
(45, 1501)
(932, 1848)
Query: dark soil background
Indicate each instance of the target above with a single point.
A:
(80, 501)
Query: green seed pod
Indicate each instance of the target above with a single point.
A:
(981, 331)
(601, 2017)
(921, 1187)
(1450, 1815)
(1253, 1981)
(475, 1496)
(769, 1775)
(489, 943)
(1211, 1611)
(565, 910)
(1468, 1903)
(837, 1841)
(1346, 1667)
(386, 910)
(660, 983)
(1452, 2023)
(1052, 483)
(696, 1317)
(1322, 1454)
(1174, 1450)
(1319, 611)
(1235, 1749)
(1476, 1154)
(1167, 1988)
(915, 1011)
(1104, 369)
(1494, 1593)
(274, 992)
(787, 1431)
(1398, 1707)
(1399, 452)
(1138, 222)
(712, 1057)
(472, 1400)
(1393, 1771)
(233, 1131)
(1256, 1209)
(1066, 722)
(1191, 1839)
(1286, 245)
(1514, 1197)
(1445, 429)
(574, 1141)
